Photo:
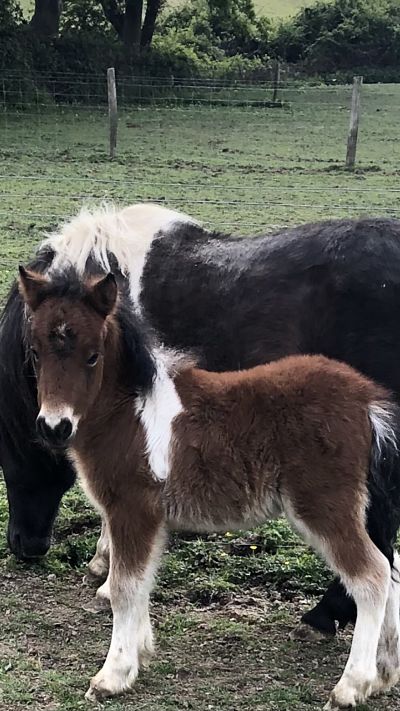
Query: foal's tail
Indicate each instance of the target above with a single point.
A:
(384, 475)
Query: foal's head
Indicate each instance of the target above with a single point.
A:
(72, 325)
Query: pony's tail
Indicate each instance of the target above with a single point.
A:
(384, 475)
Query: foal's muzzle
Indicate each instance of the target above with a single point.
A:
(55, 436)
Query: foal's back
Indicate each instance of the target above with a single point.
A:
(296, 431)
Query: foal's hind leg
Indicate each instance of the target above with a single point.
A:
(388, 659)
(365, 572)
(369, 587)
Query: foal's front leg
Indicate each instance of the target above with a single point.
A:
(99, 565)
(131, 579)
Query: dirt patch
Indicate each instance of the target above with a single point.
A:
(237, 656)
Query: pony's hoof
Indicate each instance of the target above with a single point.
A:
(305, 633)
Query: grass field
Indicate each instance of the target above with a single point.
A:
(281, 8)
(223, 610)
(270, 8)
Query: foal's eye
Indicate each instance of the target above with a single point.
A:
(92, 360)
(35, 355)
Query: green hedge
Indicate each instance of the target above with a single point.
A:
(201, 38)
(342, 35)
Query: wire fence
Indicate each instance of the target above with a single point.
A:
(222, 151)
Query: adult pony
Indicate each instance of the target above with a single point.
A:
(330, 288)
(158, 443)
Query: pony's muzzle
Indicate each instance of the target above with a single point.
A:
(55, 434)
(27, 547)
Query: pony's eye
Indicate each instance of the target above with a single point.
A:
(92, 360)
(35, 355)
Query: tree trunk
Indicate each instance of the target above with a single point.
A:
(152, 10)
(114, 16)
(133, 26)
(46, 18)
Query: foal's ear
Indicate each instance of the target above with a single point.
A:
(102, 295)
(32, 287)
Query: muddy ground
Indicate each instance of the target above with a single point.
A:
(234, 656)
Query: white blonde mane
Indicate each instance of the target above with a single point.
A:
(126, 234)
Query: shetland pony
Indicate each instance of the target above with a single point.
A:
(159, 443)
(331, 287)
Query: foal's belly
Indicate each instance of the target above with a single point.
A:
(201, 517)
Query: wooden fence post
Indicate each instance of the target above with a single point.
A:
(276, 80)
(354, 121)
(112, 110)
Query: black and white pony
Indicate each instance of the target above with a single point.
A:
(330, 288)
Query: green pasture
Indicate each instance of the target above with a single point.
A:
(224, 605)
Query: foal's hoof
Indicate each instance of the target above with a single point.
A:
(347, 694)
(97, 605)
(98, 569)
(335, 703)
(99, 689)
(91, 696)
(145, 657)
(386, 679)
(305, 633)
(111, 682)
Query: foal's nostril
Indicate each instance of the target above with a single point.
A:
(64, 429)
(42, 427)
(56, 436)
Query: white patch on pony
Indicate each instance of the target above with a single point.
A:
(382, 422)
(157, 411)
(126, 234)
(53, 417)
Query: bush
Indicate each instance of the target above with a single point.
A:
(219, 28)
(343, 34)
(204, 38)
(85, 17)
(199, 39)
(10, 14)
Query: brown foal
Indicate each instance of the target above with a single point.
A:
(160, 444)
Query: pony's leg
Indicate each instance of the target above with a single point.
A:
(320, 622)
(99, 565)
(388, 659)
(132, 637)
(370, 591)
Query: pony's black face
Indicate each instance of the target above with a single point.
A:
(66, 341)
